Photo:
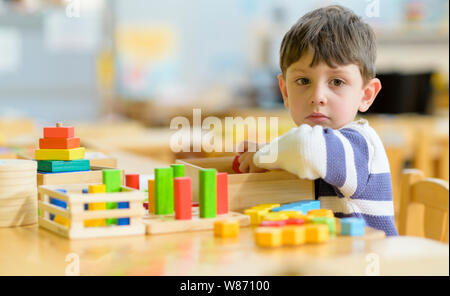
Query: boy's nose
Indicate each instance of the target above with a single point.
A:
(318, 96)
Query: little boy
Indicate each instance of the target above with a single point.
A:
(328, 73)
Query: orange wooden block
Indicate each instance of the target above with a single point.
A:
(59, 132)
(151, 196)
(59, 143)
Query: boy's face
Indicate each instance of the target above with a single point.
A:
(326, 96)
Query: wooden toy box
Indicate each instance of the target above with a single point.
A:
(76, 213)
(248, 190)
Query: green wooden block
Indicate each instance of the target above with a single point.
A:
(330, 222)
(164, 204)
(113, 182)
(178, 170)
(207, 193)
(59, 166)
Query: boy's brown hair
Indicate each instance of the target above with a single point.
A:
(336, 35)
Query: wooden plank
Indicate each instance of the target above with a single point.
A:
(167, 224)
(89, 177)
(109, 231)
(247, 190)
(54, 227)
(120, 213)
(44, 206)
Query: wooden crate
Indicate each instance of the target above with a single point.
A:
(156, 224)
(248, 190)
(76, 213)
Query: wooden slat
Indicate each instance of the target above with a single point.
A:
(53, 226)
(44, 206)
(120, 213)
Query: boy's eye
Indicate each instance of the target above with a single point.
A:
(337, 82)
(302, 81)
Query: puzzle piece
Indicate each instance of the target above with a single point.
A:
(316, 233)
(268, 236)
(329, 221)
(321, 213)
(226, 228)
(293, 235)
(352, 226)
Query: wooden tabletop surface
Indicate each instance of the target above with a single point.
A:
(31, 250)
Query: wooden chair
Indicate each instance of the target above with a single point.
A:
(432, 195)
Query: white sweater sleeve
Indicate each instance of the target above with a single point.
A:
(301, 151)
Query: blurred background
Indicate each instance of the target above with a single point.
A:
(120, 70)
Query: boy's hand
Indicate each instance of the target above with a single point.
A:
(246, 158)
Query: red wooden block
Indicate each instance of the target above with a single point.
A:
(222, 193)
(132, 180)
(59, 132)
(236, 165)
(295, 221)
(182, 190)
(59, 143)
(273, 223)
(195, 204)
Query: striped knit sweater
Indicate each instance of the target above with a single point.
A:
(349, 166)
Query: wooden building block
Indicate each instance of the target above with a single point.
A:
(256, 215)
(352, 226)
(292, 214)
(59, 154)
(112, 178)
(266, 206)
(295, 221)
(293, 235)
(273, 223)
(132, 180)
(182, 198)
(97, 206)
(316, 233)
(208, 193)
(321, 213)
(329, 221)
(59, 143)
(271, 216)
(247, 190)
(178, 170)
(59, 132)
(226, 228)
(60, 166)
(151, 196)
(268, 236)
(164, 191)
(222, 193)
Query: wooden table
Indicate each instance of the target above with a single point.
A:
(35, 251)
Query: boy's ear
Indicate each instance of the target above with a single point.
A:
(370, 92)
(283, 89)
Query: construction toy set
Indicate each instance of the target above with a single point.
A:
(299, 223)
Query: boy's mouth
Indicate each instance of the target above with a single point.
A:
(317, 118)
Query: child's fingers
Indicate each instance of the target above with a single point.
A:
(244, 163)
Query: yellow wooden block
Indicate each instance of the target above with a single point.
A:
(266, 206)
(226, 228)
(293, 214)
(256, 215)
(60, 154)
(293, 235)
(316, 233)
(96, 206)
(275, 216)
(61, 220)
(268, 236)
(321, 213)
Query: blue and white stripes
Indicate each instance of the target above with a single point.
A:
(351, 167)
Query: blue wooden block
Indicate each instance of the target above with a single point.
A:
(123, 221)
(352, 226)
(303, 206)
(58, 202)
